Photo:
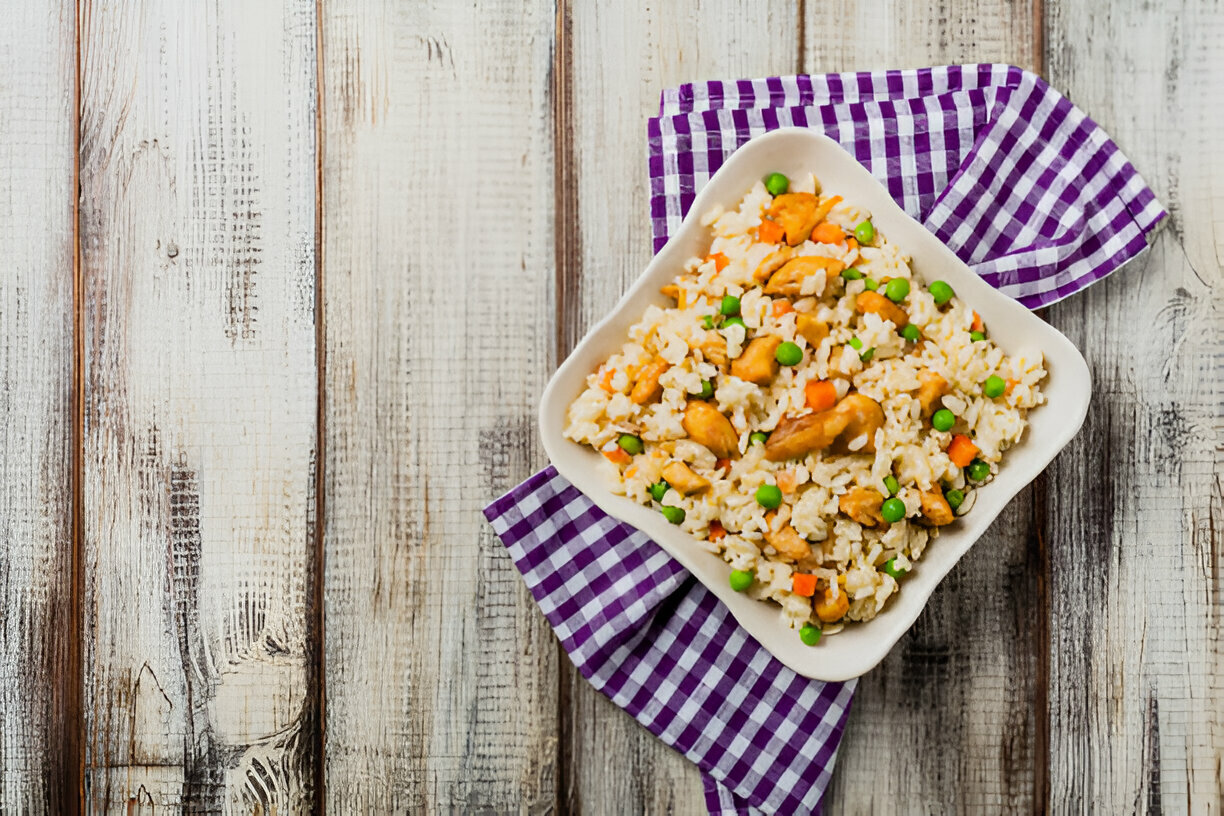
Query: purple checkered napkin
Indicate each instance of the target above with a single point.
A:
(1017, 181)
(1021, 184)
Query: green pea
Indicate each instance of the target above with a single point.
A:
(976, 336)
(865, 233)
(777, 184)
(730, 305)
(890, 484)
(911, 333)
(740, 580)
(943, 420)
(769, 496)
(871, 284)
(941, 292)
(852, 274)
(630, 444)
(707, 321)
(809, 634)
(893, 510)
(788, 354)
(757, 438)
(994, 387)
(867, 355)
(978, 470)
(673, 514)
(891, 568)
(897, 289)
(659, 489)
(707, 390)
(734, 321)
(955, 498)
(856, 344)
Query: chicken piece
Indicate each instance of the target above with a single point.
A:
(931, 388)
(647, 389)
(772, 263)
(789, 543)
(852, 417)
(862, 504)
(878, 304)
(671, 290)
(713, 348)
(935, 508)
(705, 425)
(682, 478)
(757, 364)
(810, 329)
(789, 279)
(831, 607)
(796, 213)
(864, 416)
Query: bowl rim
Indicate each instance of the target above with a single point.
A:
(570, 377)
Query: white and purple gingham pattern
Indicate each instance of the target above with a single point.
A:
(664, 648)
(1021, 184)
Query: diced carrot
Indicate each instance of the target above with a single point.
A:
(782, 307)
(717, 531)
(977, 322)
(617, 456)
(630, 471)
(962, 450)
(1010, 385)
(821, 395)
(827, 233)
(786, 480)
(770, 232)
(803, 583)
(720, 261)
(722, 464)
(606, 382)
(851, 243)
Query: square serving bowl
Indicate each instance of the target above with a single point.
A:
(859, 646)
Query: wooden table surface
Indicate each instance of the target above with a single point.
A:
(282, 285)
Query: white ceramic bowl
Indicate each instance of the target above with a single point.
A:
(860, 646)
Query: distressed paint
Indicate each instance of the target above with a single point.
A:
(197, 233)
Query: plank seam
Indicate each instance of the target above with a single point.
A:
(318, 619)
(72, 746)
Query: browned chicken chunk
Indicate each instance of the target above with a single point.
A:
(831, 607)
(789, 279)
(647, 389)
(705, 425)
(931, 388)
(878, 304)
(713, 348)
(935, 508)
(789, 543)
(772, 264)
(812, 330)
(852, 417)
(862, 504)
(796, 213)
(757, 364)
(682, 477)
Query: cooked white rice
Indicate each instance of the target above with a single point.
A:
(846, 556)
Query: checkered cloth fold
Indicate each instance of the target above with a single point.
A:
(1020, 184)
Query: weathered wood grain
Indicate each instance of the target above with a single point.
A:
(438, 246)
(1135, 522)
(616, 62)
(948, 722)
(197, 230)
(38, 670)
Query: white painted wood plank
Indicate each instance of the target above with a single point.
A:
(441, 672)
(621, 59)
(1135, 520)
(37, 154)
(198, 252)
